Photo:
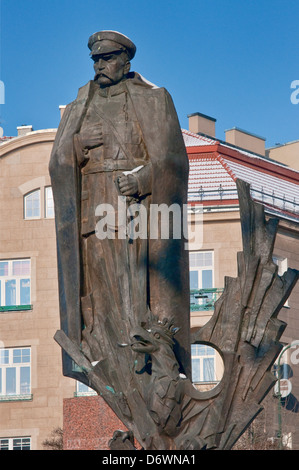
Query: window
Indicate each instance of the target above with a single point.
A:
(15, 443)
(201, 270)
(203, 363)
(14, 283)
(39, 203)
(49, 202)
(82, 390)
(32, 205)
(15, 372)
(201, 274)
(282, 264)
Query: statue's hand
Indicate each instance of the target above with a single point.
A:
(128, 185)
(91, 138)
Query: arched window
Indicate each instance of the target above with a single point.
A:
(32, 205)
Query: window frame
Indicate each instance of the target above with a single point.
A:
(282, 263)
(202, 268)
(210, 353)
(46, 199)
(11, 442)
(85, 390)
(199, 269)
(25, 199)
(9, 361)
(18, 278)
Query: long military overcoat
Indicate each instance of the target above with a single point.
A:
(168, 273)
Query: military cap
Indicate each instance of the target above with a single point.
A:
(105, 42)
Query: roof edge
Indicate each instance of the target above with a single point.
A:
(202, 115)
(34, 137)
(246, 132)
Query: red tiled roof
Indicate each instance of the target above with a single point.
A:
(207, 178)
(213, 174)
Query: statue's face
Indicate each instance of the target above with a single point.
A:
(110, 68)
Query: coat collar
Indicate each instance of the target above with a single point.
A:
(112, 90)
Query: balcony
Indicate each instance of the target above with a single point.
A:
(204, 299)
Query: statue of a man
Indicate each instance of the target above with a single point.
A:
(119, 142)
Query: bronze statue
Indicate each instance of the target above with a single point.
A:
(119, 138)
(124, 294)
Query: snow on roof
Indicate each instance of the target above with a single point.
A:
(196, 140)
(209, 180)
(266, 188)
(212, 179)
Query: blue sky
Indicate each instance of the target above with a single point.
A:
(233, 60)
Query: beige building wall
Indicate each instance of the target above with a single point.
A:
(287, 154)
(24, 168)
(219, 232)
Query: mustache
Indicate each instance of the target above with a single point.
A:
(100, 74)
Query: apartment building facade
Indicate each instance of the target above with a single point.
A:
(34, 396)
(214, 167)
(32, 387)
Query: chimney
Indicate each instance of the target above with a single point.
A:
(201, 124)
(23, 130)
(62, 108)
(245, 140)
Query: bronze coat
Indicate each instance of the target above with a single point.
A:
(168, 259)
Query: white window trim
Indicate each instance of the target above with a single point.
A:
(43, 199)
(199, 269)
(282, 264)
(201, 358)
(17, 366)
(12, 439)
(10, 277)
(88, 392)
(37, 217)
(46, 188)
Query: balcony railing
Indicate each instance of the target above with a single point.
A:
(281, 201)
(204, 299)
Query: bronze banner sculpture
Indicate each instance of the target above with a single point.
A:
(124, 280)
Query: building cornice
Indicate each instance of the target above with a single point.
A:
(32, 138)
